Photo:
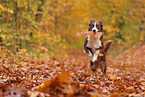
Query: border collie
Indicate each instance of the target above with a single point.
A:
(95, 48)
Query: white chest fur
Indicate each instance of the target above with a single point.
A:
(94, 41)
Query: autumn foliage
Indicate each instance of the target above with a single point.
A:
(41, 48)
(57, 23)
(33, 76)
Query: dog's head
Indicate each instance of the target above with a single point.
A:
(96, 26)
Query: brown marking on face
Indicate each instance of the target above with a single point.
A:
(99, 25)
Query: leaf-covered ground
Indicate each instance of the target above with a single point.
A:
(30, 76)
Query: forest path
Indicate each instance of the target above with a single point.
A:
(70, 77)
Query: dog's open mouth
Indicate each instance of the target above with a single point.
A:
(94, 32)
(89, 33)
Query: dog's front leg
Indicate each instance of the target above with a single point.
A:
(89, 51)
(95, 56)
(103, 69)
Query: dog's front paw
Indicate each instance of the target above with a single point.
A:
(94, 58)
(90, 54)
(90, 57)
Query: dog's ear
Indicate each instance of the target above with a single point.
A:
(101, 20)
(101, 23)
(107, 45)
(92, 20)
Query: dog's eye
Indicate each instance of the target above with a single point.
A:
(89, 24)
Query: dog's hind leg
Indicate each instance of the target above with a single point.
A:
(103, 69)
(95, 76)
(94, 66)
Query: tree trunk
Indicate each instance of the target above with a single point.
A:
(56, 17)
(16, 25)
(39, 13)
(1, 42)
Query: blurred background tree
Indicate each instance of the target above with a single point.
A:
(56, 24)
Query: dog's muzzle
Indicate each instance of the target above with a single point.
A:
(95, 30)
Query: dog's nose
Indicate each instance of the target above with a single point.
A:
(94, 30)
